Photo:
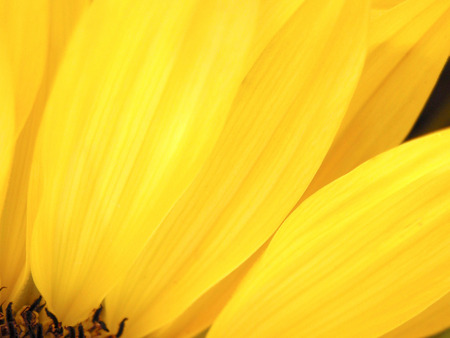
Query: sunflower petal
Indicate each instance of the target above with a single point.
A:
(14, 219)
(358, 258)
(7, 137)
(64, 17)
(138, 102)
(388, 17)
(24, 24)
(434, 319)
(280, 128)
(273, 14)
(200, 315)
(397, 79)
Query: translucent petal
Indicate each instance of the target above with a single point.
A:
(359, 257)
(391, 16)
(397, 79)
(7, 137)
(200, 315)
(24, 25)
(63, 17)
(273, 14)
(143, 91)
(432, 320)
(282, 122)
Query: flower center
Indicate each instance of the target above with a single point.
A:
(31, 321)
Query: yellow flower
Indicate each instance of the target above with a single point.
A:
(172, 161)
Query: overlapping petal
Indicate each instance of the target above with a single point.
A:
(143, 91)
(142, 165)
(272, 15)
(281, 125)
(24, 26)
(432, 320)
(388, 17)
(7, 138)
(199, 316)
(63, 16)
(359, 257)
(397, 79)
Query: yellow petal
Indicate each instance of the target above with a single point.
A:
(200, 315)
(7, 138)
(63, 18)
(273, 14)
(13, 221)
(24, 25)
(397, 79)
(383, 4)
(281, 125)
(143, 91)
(359, 257)
(64, 15)
(432, 320)
(391, 16)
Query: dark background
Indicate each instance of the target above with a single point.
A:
(436, 114)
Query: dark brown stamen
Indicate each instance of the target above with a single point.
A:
(2, 316)
(103, 326)
(39, 331)
(12, 330)
(35, 304)
(40, 307)
(29, 320)
(26, 323)
(9, 314)
(31, 332)
(72, 333)
(52, 317)
(81, 331)
(121, 327)
(56, 328)
(96, 316)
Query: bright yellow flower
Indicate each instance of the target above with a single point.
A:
(157, 157)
